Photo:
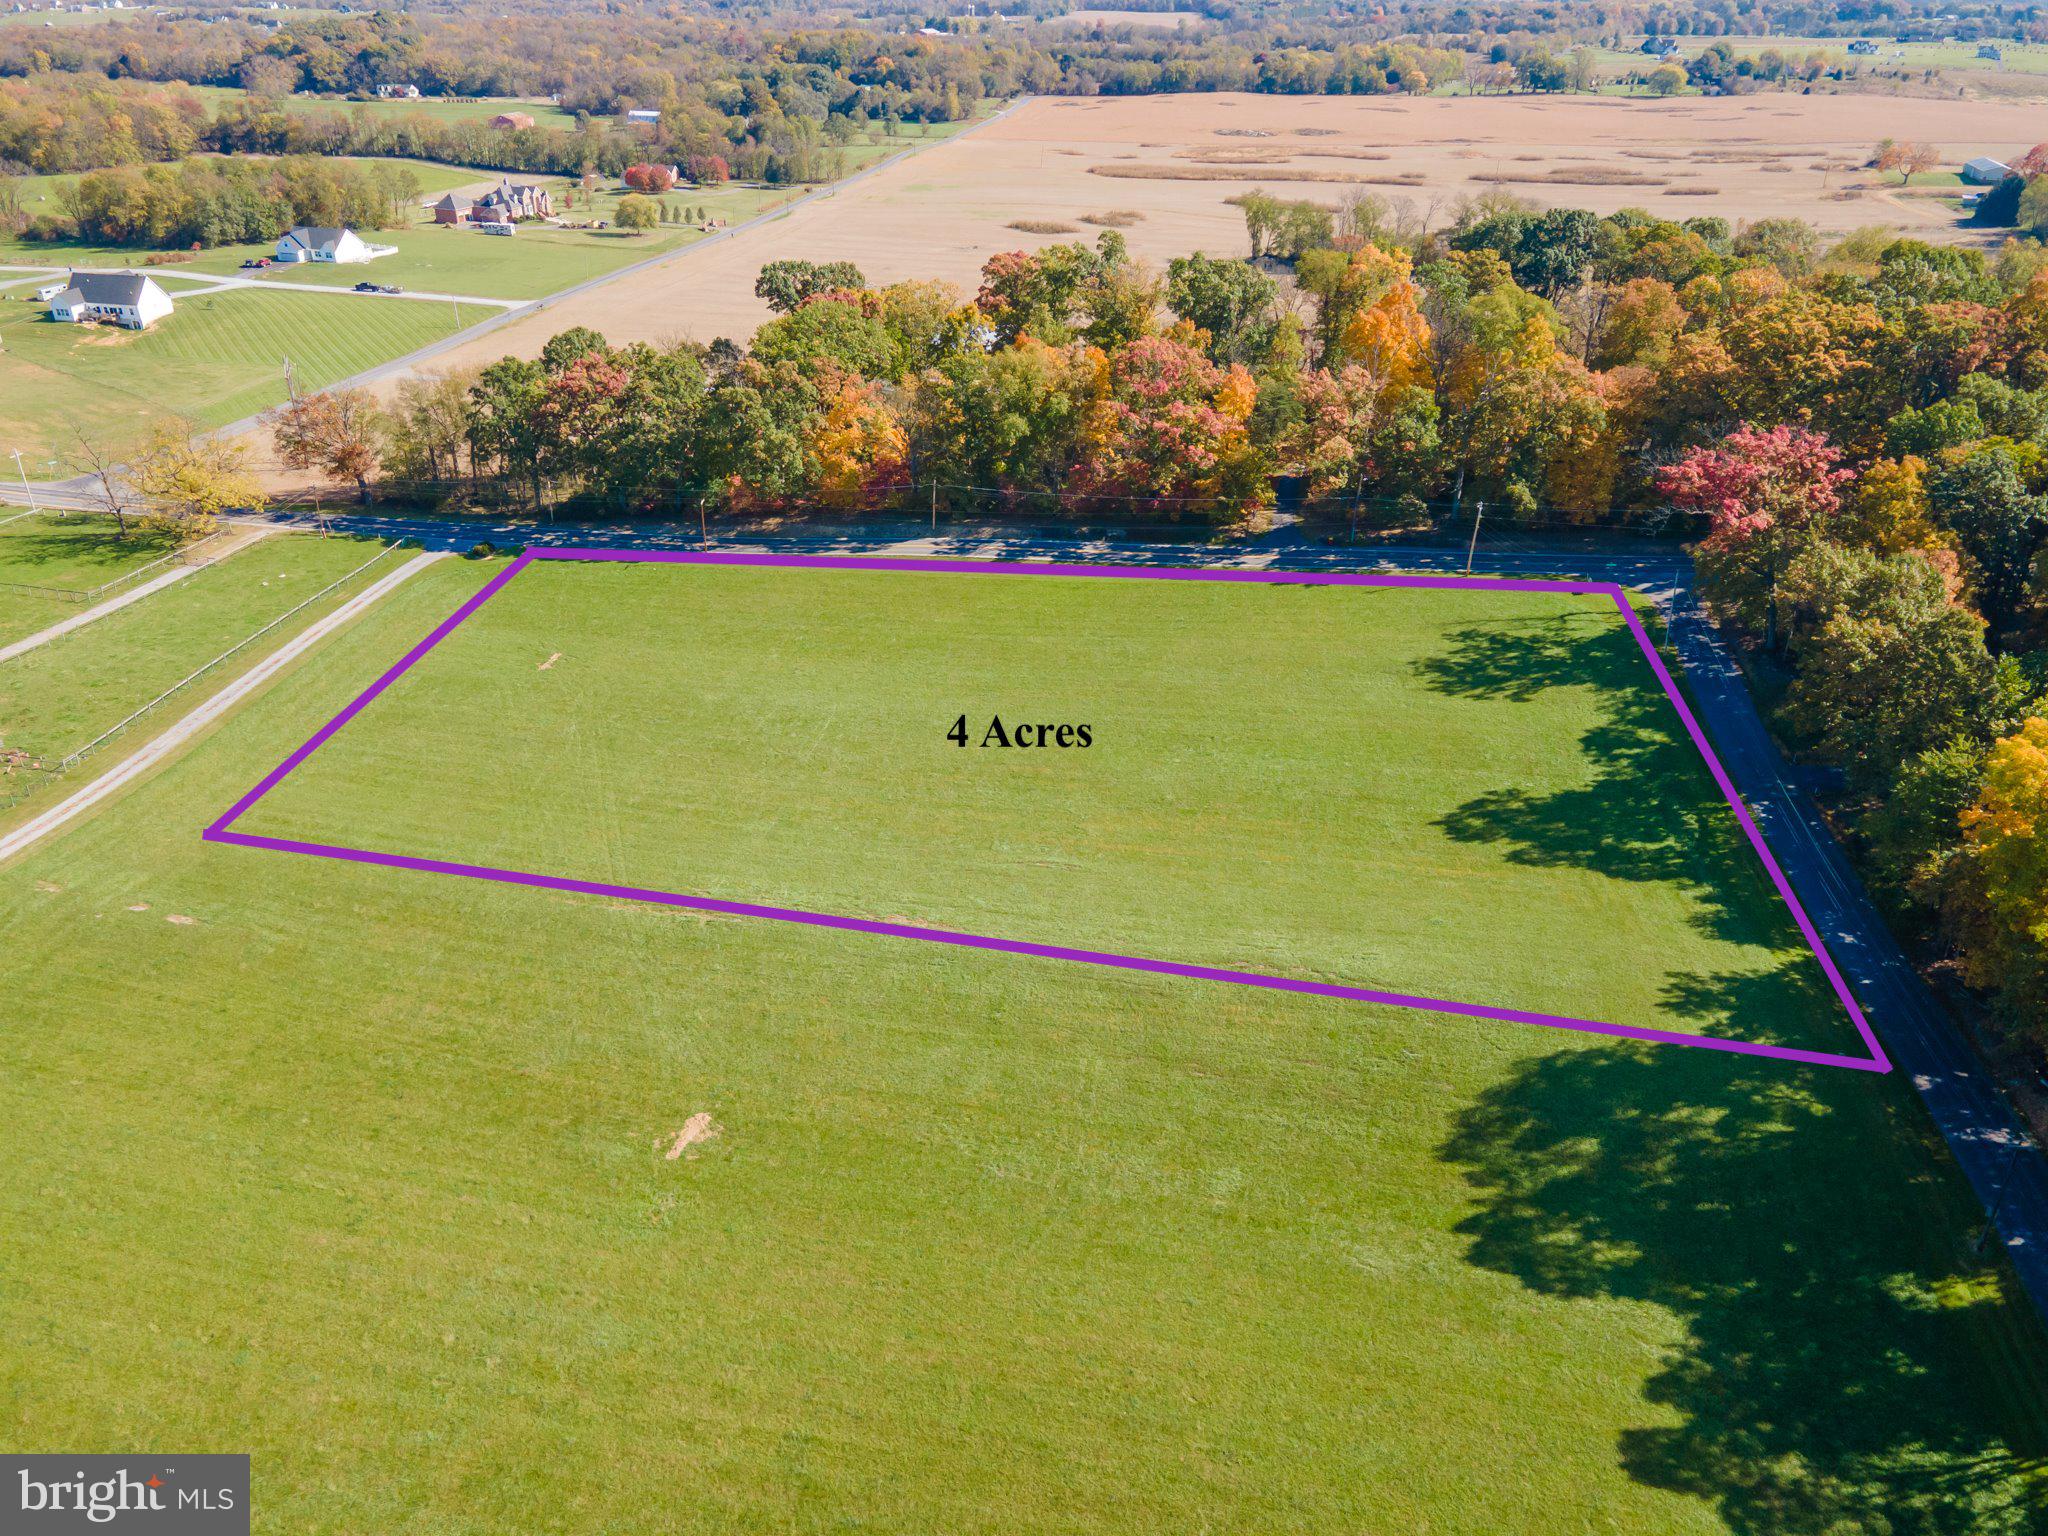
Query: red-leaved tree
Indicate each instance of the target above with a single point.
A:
(1769, 496)
(650, 178)
(707, 170)
(1167, 434)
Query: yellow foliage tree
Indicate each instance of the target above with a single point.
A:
(187, 482)
(859, 443)
(1387, 336)
(1887, 510)
(2000, 910)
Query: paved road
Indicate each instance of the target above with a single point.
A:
(2004, 1166)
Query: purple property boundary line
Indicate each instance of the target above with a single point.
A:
(1876, 1061)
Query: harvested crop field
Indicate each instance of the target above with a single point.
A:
(1177, 160)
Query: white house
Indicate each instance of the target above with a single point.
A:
(307, 243)
(121, 298)
(393, 91)
(1985, 171)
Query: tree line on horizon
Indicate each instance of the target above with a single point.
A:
(1859, 429)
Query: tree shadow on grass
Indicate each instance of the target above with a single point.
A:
(1649, 812)
(1842, 1368)
(82, 556)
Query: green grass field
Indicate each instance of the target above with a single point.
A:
(49, 561)
(62, 695)
(218, 358)
(800, 683)
(363, 1171)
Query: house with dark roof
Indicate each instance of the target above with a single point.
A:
(506, 203)
(310, 243)
(509, 201)
(113, 298)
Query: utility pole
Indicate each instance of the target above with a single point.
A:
(935, 509)
(1478, 511)
(27, 489)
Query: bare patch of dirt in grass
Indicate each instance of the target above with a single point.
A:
(699, 1128)
(1045, 227)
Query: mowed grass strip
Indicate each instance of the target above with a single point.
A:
(57, 697)
(1476, 796)
(365, 1173)
(220, 357)
(49, 561)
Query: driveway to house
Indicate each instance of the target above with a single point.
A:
(215, 282)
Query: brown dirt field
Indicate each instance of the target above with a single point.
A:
(942, 212)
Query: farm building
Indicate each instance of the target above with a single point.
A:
(643, 115)
(513, 120)
(1985, 171)
(398, 93)
(1990, 51)
(307, 243)
(1863, 45)
(117, 298)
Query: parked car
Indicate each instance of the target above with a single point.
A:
(256, 261)
(368, 288)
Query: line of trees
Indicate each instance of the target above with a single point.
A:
(206, 202)
(1861, 431)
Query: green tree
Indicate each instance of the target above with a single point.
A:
(1983, 498)
(832, 330)
(787, 284)
(1890, 667)
(1231, 300)
(636, 213)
